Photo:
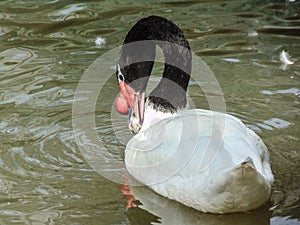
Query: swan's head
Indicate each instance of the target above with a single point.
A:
(136, 63)
(131, 99)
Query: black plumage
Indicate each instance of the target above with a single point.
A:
(138, 55)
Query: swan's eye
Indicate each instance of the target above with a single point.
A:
(121, 78)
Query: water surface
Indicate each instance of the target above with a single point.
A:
(47, 45)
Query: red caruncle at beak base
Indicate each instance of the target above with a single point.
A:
(125, 99)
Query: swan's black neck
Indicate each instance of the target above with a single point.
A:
(137, 59)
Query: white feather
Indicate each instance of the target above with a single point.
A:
(100, 41)
(285, 58)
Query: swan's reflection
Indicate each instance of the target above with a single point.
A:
(155, 209)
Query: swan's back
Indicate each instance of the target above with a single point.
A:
(207, 160)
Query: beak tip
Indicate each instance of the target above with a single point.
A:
(134, 125)
(136, 113)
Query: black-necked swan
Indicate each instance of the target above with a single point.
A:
(206, 160)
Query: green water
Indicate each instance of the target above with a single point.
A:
(45, 47)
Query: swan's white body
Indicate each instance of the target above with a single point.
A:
(206, 160)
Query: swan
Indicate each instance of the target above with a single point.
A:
(206, 160)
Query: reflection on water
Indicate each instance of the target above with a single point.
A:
(171, 212)
(45, 48)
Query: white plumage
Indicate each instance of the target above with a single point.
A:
(206, 160)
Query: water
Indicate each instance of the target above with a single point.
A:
(47, 45)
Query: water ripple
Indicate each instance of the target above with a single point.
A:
(292, 90)
(275, 123)
(280, 30)
(47, 45)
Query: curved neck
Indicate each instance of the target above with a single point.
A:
(170, 93)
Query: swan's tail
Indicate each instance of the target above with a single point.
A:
(248, 186)
(248, 162)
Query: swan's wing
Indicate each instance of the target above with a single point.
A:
(194, 140)
(166, 147)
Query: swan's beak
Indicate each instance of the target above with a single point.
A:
(136, 113)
